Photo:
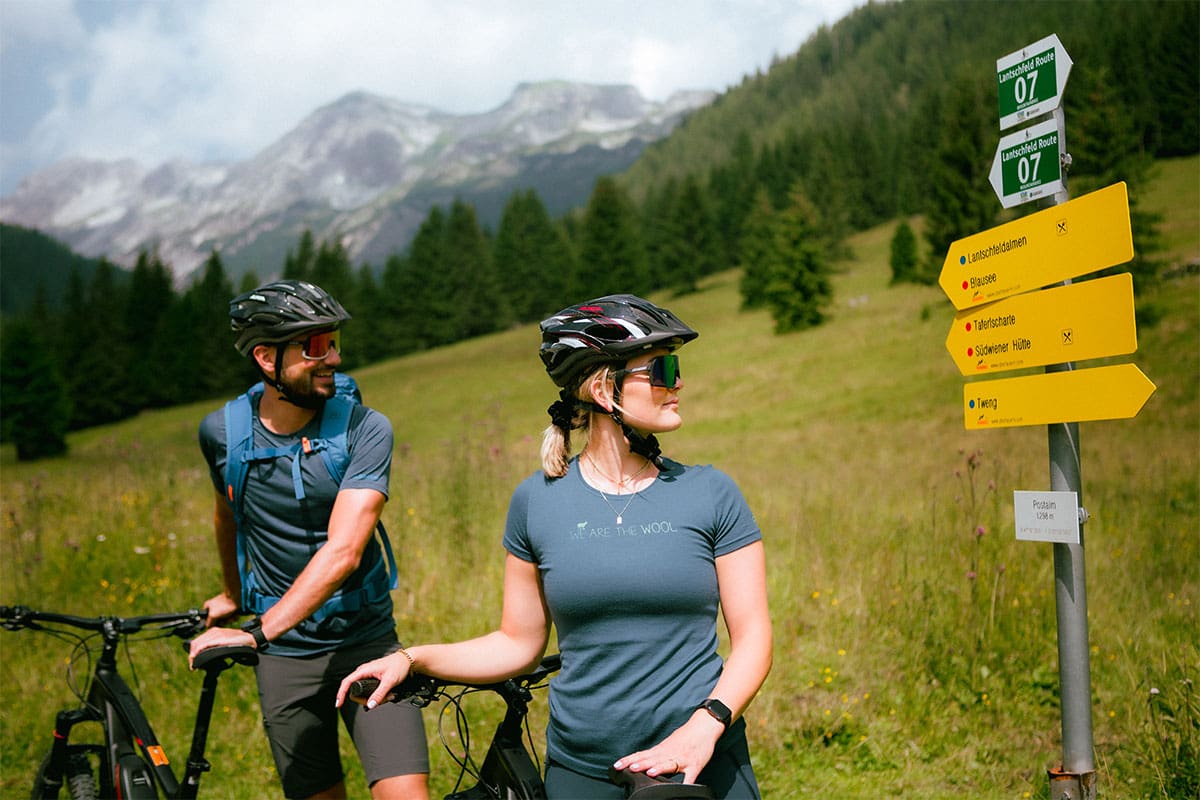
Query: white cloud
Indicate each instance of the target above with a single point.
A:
(224, 78)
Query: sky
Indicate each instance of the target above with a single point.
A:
(213, 80)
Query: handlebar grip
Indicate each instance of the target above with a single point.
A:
(364, 687)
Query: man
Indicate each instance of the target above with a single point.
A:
(297, 546)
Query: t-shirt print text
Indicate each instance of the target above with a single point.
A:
(585, 531)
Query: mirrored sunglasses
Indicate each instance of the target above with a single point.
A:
(317, 345)
(662, 370)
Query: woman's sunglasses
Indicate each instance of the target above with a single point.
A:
(317, 345)
(663, 371)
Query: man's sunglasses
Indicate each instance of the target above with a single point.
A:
(317, 345)
(663, 371)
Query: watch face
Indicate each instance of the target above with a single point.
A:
(719, 710)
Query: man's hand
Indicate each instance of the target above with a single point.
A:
(219, 637)
(221, 608)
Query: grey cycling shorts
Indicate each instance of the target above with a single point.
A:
(297, 696)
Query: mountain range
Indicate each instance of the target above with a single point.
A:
(365, 169)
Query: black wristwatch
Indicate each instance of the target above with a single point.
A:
(719, 711)
(254, 628)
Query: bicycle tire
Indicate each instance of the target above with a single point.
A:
(77, 777)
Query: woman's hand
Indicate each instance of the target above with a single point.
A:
(685, 751)
(389, 671)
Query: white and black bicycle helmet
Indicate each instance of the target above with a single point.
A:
(607, 330)
(277, 311)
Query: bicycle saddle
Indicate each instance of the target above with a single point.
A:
(640, 786)
(240, 654)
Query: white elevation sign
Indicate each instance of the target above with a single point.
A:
(1046, 516)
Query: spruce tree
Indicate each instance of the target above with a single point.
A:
(798, 288)
(758, 253)
(151, 295)
(532, 259)
(98, 354)
(612, 255)
(959, 199)
(33, 396)
(431, 287)
(904, 260)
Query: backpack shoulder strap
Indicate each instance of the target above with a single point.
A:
(334, 448)
(239, 441)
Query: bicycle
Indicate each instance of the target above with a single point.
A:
(509, 771)
(131, 763)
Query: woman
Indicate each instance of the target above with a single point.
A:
(629, 554)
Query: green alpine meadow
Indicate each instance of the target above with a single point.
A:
(915, 637)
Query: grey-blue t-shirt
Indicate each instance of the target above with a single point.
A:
(283, 533)
(634, 604)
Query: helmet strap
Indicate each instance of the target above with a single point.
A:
(644, 445)
(277, 382)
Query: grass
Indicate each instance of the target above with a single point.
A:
(916, 657)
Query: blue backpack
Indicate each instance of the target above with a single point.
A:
(331, 444)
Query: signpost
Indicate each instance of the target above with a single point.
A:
(1030, 81)
(1068, 323)
(1083, 235)
(1114, 392)
(1003, 325)
(1028, 164)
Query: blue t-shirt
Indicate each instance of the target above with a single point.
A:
(635, 604)
(283, 533)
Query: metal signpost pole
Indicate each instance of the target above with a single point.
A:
(1076, 778)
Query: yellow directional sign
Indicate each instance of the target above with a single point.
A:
(1086, 320)
(1116, 392)
(1083, 235)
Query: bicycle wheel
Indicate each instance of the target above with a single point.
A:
(77, 775)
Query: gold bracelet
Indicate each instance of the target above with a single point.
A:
(411, 664)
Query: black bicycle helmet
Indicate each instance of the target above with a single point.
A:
(607, 330)
(277, 311)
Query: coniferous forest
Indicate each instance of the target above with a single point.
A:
(889, 113)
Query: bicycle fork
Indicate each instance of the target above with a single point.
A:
(51, 778)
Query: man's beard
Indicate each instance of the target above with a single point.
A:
(304, 393)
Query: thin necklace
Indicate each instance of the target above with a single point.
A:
(623, 482)
(620, 515)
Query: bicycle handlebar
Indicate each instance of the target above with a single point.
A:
(182, 624)
(421, 690)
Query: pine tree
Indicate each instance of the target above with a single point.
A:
(1105, 149)
(904, 259)
(478, 306)
(331, 270)
(33, 396)
(612, 255)
(692, 248)
(959, 199)
(151, 295)
(798, 287)
(218, 369)
(758, 254)
(300, 265)
(432, 314)
(532, 259)
(99, 355)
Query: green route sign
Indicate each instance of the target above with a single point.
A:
(1027, 164)
(1030, 81)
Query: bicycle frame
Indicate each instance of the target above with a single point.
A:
(133, 762)
(508, 772)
